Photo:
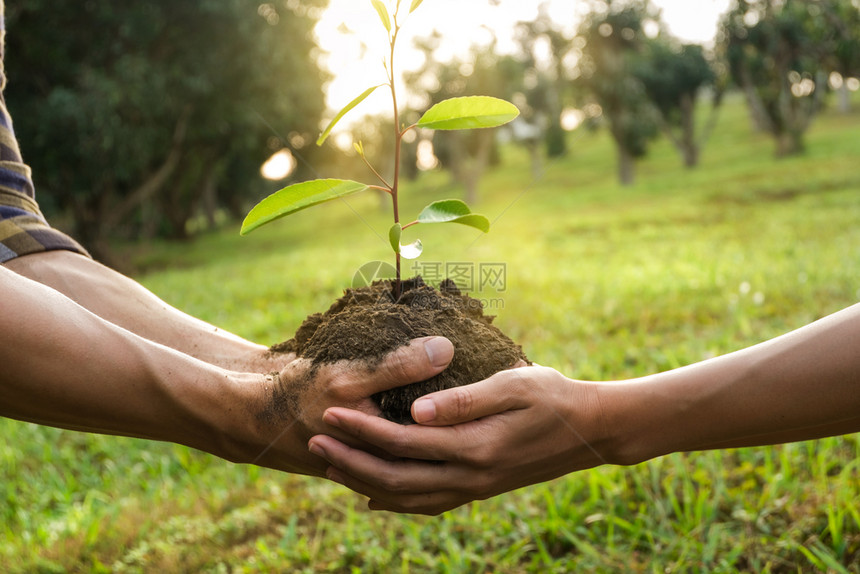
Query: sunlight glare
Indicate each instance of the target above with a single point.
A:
(426, 158)
(355, 43)
(571, 118)
(279, 166)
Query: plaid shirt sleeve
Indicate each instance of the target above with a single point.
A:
(23, 228)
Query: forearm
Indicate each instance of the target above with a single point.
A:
(66, 367)
(128, 304)
(803, 385)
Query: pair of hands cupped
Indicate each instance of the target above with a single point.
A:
(472, 442)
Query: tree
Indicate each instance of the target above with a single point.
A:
(161, 110)
(613, 36)
(545, 85)
(775, 51)
(843, 24)
(674, 75)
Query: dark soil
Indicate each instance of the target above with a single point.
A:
(366, 323)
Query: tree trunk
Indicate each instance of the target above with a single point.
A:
(235, 206)
(691, 157)
(479, 163)
(471, 190)
(625, 165)
(789, 143)
(209, 196)
(689, 146)
(626, 156)
(844, 98)
(155, 182)
(456, 158)
(536, 159)
(760, 120)
(468, 165)
(90, 230)
(184, 192)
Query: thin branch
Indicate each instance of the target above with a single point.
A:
(377, 174)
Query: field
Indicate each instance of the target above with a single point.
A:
(601, 282)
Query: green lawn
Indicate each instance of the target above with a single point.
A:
(602, 282)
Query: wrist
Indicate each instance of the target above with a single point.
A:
(637, 425)
(258, 359)
(204, 403)
(256, 424)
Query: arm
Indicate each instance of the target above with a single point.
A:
(532, 424)
(800, 386)
(64, 366)
(128, 304)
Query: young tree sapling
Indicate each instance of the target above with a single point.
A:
(397, 313)
(462, 113)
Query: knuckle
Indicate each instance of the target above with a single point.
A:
(391, 482)
(400, 445)
(483, 457)
(359, 431)
(510, 385)
(397, 367)
(339, 380)
(479, 487)
(463, 403)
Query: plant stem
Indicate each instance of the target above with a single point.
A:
(398, 138)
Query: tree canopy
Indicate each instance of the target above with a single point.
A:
(780, 54)
(673, 75)
(120, 105)
(613, 37)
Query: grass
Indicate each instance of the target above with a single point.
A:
(601, 282)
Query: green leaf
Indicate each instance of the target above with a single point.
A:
(410, 251)
(383, 13)
(394, 236)
(468, 113)
(297, 197)
(415, 5)
(453, 211)
(344, 111)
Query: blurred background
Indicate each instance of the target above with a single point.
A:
(153, 119)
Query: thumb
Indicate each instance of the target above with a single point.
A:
(458, 405)
(419, 360)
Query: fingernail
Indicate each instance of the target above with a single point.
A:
(424, 410)
(439, 350)
(317, 450)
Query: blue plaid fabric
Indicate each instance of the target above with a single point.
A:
(23, 228)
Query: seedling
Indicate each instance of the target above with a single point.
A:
(462, 113)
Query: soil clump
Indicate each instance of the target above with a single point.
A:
(367, 323)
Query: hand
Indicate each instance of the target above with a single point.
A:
(518, 427)
(290, 404)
